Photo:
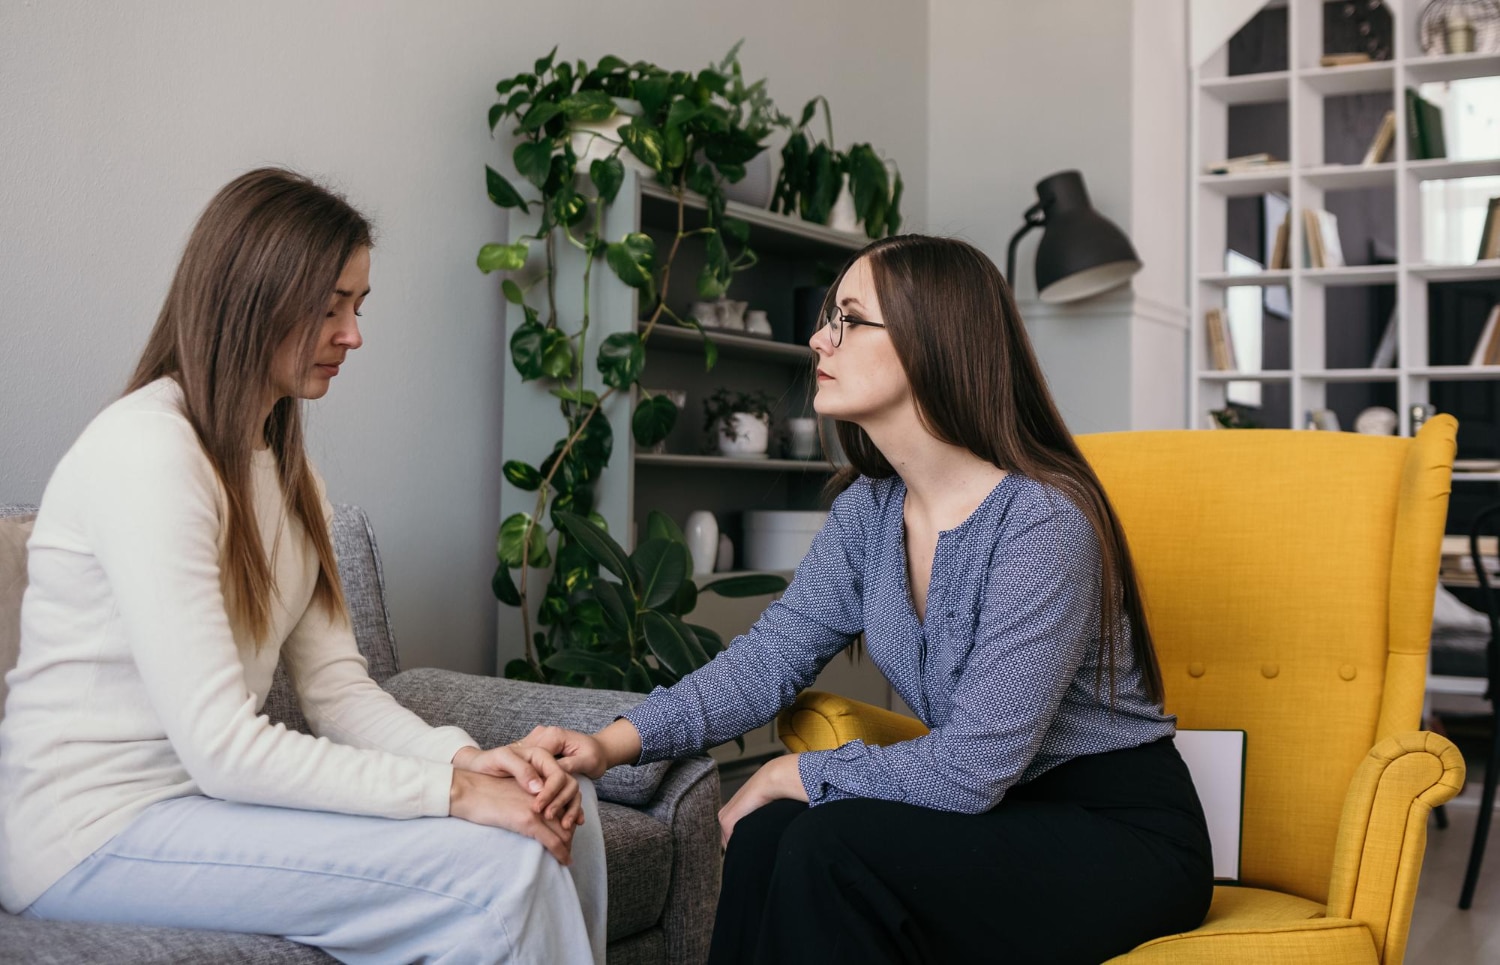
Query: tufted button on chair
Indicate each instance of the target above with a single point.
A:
(1289, 581)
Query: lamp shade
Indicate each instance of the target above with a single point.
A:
(1082, 253)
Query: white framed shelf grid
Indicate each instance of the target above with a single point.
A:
(1304, 180)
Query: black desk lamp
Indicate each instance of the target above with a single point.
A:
(1082, 252)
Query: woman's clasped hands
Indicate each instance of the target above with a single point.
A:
(521, 788)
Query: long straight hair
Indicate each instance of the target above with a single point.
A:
(259, 268)
(977, 384)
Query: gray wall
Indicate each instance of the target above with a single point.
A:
(121, 120)
(1020, 90)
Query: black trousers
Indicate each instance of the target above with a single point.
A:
(1082, 864)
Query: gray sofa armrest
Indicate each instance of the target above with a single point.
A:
(498, 711)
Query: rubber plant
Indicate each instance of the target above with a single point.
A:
(695, 131)
(814, 172)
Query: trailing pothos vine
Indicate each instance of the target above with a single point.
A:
(694, 131)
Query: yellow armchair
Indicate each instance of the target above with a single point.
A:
(1289, 581)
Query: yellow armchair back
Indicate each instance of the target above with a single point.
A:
(1289, 581)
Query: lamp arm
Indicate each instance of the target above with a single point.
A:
(1034, 219)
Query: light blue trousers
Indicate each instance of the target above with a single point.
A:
(362, 889)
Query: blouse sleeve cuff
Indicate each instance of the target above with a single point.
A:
(658, 726)
(814, 767)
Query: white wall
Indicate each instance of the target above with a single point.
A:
(121, 120)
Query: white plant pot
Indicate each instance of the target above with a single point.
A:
(778, 539)
(752, 436)
(756, 187)
(596, 140)
(843, 216)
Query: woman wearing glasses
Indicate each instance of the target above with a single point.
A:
(1047, 815)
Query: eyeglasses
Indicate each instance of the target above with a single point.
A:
(835, 322)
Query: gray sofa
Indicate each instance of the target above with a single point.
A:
(660, 827)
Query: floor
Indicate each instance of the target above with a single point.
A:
(1441, 934)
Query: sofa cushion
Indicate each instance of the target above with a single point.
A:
(66, 943)
(638, 854)
(14, 532)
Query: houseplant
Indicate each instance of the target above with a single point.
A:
(741, 421)
(694, 131)
(814, 174)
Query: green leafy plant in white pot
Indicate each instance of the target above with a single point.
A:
(740, 422)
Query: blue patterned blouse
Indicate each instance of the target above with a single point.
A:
(1002, 670)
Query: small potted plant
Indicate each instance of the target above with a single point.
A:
(741, 421)
(841, 189)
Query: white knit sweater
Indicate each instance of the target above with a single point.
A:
(134, 686)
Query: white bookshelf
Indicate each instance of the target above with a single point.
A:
(1305, 180)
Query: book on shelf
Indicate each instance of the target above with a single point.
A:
(1380, 144)
(1281, 255)
(1424, 128)
(1385, 352)
(1489, 237)
(1487, 349)
(1323, 248)
(1220, 341)
(1245, 163)
(1343, 60)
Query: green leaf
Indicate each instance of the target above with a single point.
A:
(633, 260)
(653, 419)
(494, 257)
(582, 662)
(618, 606)
(504, 586)
(681, 112)
(653, 92)
(526, 350)
(512, 292)
(518, 538)
(710, 350)
(808, 111)
(638, 678)
(667, 643)
(534, 161)
(521, 475)
(622, 358)
(593, 448)
(497, 111)
(570, 394)
(543, 63)
(685, 599)
(600, 546)
(588, 106)
(736, 229)
(501, 192)
(709, 639)
(661, 566)
(608, 174)
(754, 584)
(519, 669)
(661, 526)
(538, 116)
(557, 355)
(700, 657)
(714, 278)
(645, 143)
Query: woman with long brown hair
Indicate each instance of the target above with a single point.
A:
(1047, 816)
(182, 549)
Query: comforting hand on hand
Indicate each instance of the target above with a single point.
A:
(778, 779)
(535, 770)
(501, 802)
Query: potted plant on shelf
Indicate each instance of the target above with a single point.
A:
(693, 132)
(841, 189)
(741, 421)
